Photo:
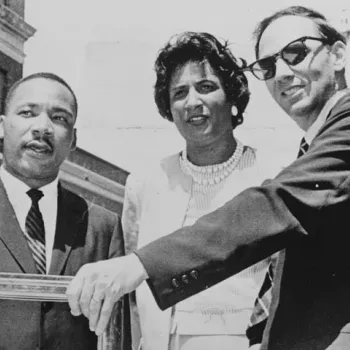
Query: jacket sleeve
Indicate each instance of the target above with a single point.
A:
(255, 224)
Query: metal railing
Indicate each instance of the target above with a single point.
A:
(48, 288)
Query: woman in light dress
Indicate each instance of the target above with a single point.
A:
(202, 90)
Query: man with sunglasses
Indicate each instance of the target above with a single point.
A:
(304, 211)
(299, 79)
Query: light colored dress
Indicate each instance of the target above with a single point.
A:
(177, 192)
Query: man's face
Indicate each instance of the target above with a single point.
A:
(303, 89)
(38, 130)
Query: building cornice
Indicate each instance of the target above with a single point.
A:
(17, 25)
(10, 45)
(14, 31)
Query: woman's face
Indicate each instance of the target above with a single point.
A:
(198, 104)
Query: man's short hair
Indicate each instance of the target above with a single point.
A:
(326, 30)
(44, 75)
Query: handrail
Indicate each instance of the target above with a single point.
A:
(44, 288)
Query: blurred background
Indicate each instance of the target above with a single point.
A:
(106, 50)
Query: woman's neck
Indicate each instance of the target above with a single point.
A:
(211, 154)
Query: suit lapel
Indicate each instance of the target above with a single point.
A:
(13, 237)
(68, 220)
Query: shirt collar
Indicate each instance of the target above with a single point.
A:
(318, 123)
(15, 186)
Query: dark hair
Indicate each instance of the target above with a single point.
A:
(44, 75)
(198, 47)
(326, 30)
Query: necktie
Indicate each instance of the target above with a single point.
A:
(304, 146)
(262, 303)
(260, 313)
(35, 231)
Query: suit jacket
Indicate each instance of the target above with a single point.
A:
(305, 210)
(84, 233)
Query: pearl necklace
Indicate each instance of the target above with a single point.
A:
(211, 174)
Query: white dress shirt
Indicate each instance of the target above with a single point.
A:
(17, 193)
(321, 119)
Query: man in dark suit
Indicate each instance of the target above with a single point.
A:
(65, 232)
(304, 210)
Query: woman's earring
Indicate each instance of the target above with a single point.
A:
(234, 110)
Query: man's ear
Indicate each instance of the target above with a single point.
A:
(73, 146)
(338, 52)
(2, 127)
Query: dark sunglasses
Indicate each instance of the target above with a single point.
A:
(293, 53)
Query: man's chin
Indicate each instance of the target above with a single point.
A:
(39, 170)
(302, 117)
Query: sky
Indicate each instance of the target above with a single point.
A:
(106, 50)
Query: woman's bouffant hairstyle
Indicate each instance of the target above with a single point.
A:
(199, 47)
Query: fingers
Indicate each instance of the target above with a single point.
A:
(89, 297)
(104, 316)
(112, 294)
(95, 309)
(97, 286)
(73, 293)
(101, 302)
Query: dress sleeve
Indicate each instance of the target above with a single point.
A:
(130, 223)
(131, 213)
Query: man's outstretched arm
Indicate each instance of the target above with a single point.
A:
(258, 222)
(250, 227)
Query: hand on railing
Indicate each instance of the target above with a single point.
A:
(98, 286)
(45, 288)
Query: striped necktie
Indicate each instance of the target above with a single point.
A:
(35, 231)
(260, 312)
(304, 146)
(262, 303)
